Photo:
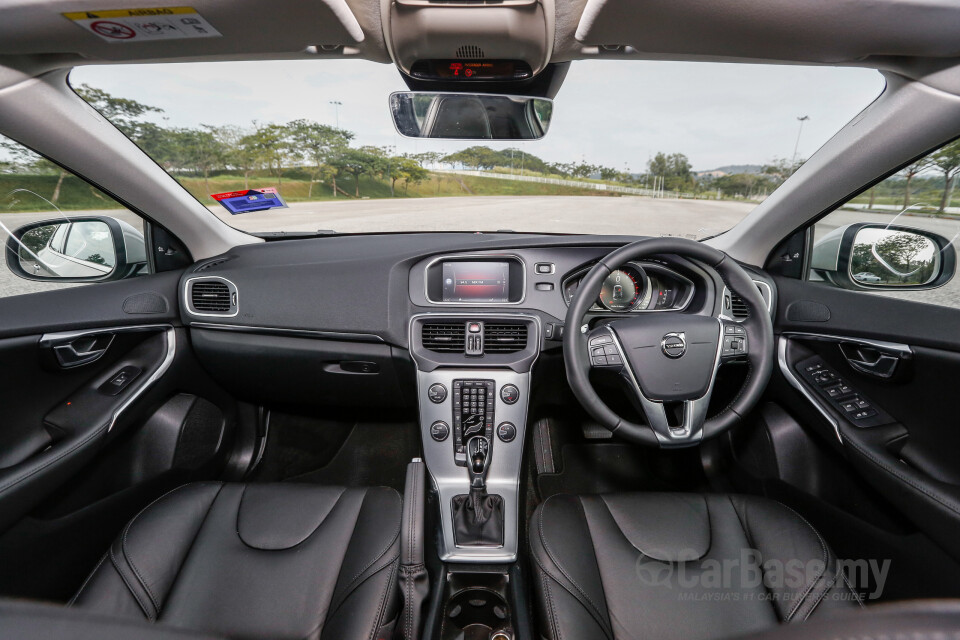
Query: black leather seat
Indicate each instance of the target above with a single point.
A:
(257, 561)
(652, 565)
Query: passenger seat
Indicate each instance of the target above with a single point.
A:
(257, 561)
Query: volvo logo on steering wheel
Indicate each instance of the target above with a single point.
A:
(674, 345)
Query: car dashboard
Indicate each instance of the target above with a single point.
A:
(450, 326)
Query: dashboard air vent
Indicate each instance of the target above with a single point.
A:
(212, 296)
(738, 308)
(443, 337)
(499, 337)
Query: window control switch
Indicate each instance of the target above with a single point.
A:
(120, 381)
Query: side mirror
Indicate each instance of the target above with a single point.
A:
(76, 249)
(891, 257)
(467, 116)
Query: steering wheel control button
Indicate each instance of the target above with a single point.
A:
(506, 431)
(437, 393)
(439, 431)
(674, 345)
(604, 339)
(509, 394)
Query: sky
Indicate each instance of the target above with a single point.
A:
(612, 113)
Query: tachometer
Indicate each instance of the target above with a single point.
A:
(622, 289)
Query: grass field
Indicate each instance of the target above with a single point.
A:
(76, 194)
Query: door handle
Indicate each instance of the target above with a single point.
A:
(82, 350)
(870, 361)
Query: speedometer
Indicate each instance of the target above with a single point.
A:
(622, 289)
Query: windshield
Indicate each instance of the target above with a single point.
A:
(637, 148)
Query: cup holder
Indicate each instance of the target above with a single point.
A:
(477, 613)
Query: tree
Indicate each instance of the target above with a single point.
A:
(317, 143)
(583, 170)
(123, 113)
(428, 158)
(411, 171)
(202, 150)
(241, 151)
(908, 172)
(357, 162)
(23, 160)
(947, 160)
(674, 168)
(780, 168)
(608, 173)
(274, 145)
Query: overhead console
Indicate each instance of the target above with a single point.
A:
(453, 40)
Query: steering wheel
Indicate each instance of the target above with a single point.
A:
(669, 359)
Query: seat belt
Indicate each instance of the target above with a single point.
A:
(414, 582)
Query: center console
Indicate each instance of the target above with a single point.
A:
(473, 379)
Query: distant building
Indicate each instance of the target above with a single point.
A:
(716, 173)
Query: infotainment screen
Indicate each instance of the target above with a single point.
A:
(476, 281)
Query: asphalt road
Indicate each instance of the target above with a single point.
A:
(561, 214)
(566, 214)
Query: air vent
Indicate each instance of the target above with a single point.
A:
(501, 337)
(470, 52)
(443, 337)
(212, 296)
(738, 308)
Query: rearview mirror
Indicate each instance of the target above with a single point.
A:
(76, 249)
(876, 256)
(463, 116)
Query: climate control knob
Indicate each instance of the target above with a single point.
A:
(506, 431)
(437, 393)
(509, 394)
(439, 431)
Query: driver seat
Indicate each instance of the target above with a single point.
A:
(691, 566)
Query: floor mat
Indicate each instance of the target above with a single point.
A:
(338, 452)
(373, 455)
(610, 466)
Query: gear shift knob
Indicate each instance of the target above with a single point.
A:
(478, 454)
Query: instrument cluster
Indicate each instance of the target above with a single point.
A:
(636, 287)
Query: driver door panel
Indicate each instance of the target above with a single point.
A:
(902, 359)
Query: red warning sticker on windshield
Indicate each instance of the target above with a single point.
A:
(140, 25)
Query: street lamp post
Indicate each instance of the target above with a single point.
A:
(796, 146)
(336, 110)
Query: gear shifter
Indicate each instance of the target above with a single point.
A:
(478, 517)
(478, 454)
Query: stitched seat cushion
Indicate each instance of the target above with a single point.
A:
(257, 561)
(647, 565)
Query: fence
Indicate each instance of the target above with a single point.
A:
(597, 186)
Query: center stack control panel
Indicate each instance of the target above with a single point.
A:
(473, 413)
